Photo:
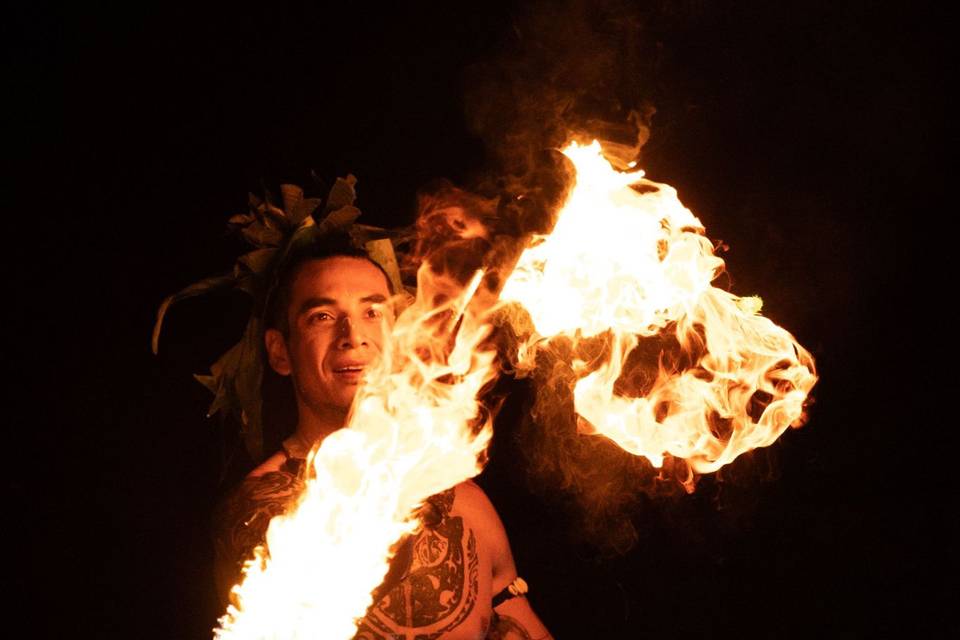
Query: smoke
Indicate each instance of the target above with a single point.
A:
(570, 70)
(567, 71)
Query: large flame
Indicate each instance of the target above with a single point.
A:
(627, 260)
(413, 432)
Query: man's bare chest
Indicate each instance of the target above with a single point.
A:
(438, 585)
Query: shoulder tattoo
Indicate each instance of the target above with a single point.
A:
(241, 520)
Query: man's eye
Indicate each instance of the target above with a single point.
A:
(374, 312)
(320, 316)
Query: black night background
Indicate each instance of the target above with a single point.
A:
(803, 135)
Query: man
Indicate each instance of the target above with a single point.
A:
(454, 579)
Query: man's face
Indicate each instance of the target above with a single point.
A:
(336, 316)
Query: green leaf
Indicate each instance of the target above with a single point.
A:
(338, 220)
(258, 260)
(381, 251)
(274, 216)
(303, 209)
(197, 288)
(220, 382)
(235, 380)
(247, 383)
(252, 285)
(241, 219)
(261, 235)
(292, 195)
(341, 194)
(210, 382)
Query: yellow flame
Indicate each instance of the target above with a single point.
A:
(626, 257)
(411, 434)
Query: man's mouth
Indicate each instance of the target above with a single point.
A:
(349, 373)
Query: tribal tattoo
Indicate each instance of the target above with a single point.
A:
(241, 521)
(433, 582)
(439, 588)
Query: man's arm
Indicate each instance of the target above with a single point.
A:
(513, 619)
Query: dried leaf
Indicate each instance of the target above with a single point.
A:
(197, 288)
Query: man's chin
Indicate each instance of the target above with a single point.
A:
(344, 397)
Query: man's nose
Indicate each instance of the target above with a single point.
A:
(350, 335)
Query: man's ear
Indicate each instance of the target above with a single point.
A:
(277, 353)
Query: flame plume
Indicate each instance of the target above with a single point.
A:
(626, 260)
(412, 433)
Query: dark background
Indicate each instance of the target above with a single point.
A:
(802, 135)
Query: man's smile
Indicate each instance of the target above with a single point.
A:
(349, 372)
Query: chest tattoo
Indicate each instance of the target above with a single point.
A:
(439, 588)
(433, 582)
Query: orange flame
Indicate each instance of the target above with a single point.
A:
(412, 433)
(627, 259)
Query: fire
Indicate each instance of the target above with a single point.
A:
(412, 433)
(626, 261)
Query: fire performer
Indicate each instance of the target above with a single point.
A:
(323, 323)
(456, 577)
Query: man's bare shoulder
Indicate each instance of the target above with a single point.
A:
(472, 501)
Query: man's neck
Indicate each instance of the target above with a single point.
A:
(313, 425)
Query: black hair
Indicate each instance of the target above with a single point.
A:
(329, 245)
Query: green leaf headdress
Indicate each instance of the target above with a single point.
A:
(235, 378)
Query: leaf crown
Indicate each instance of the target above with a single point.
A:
(275, 233)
